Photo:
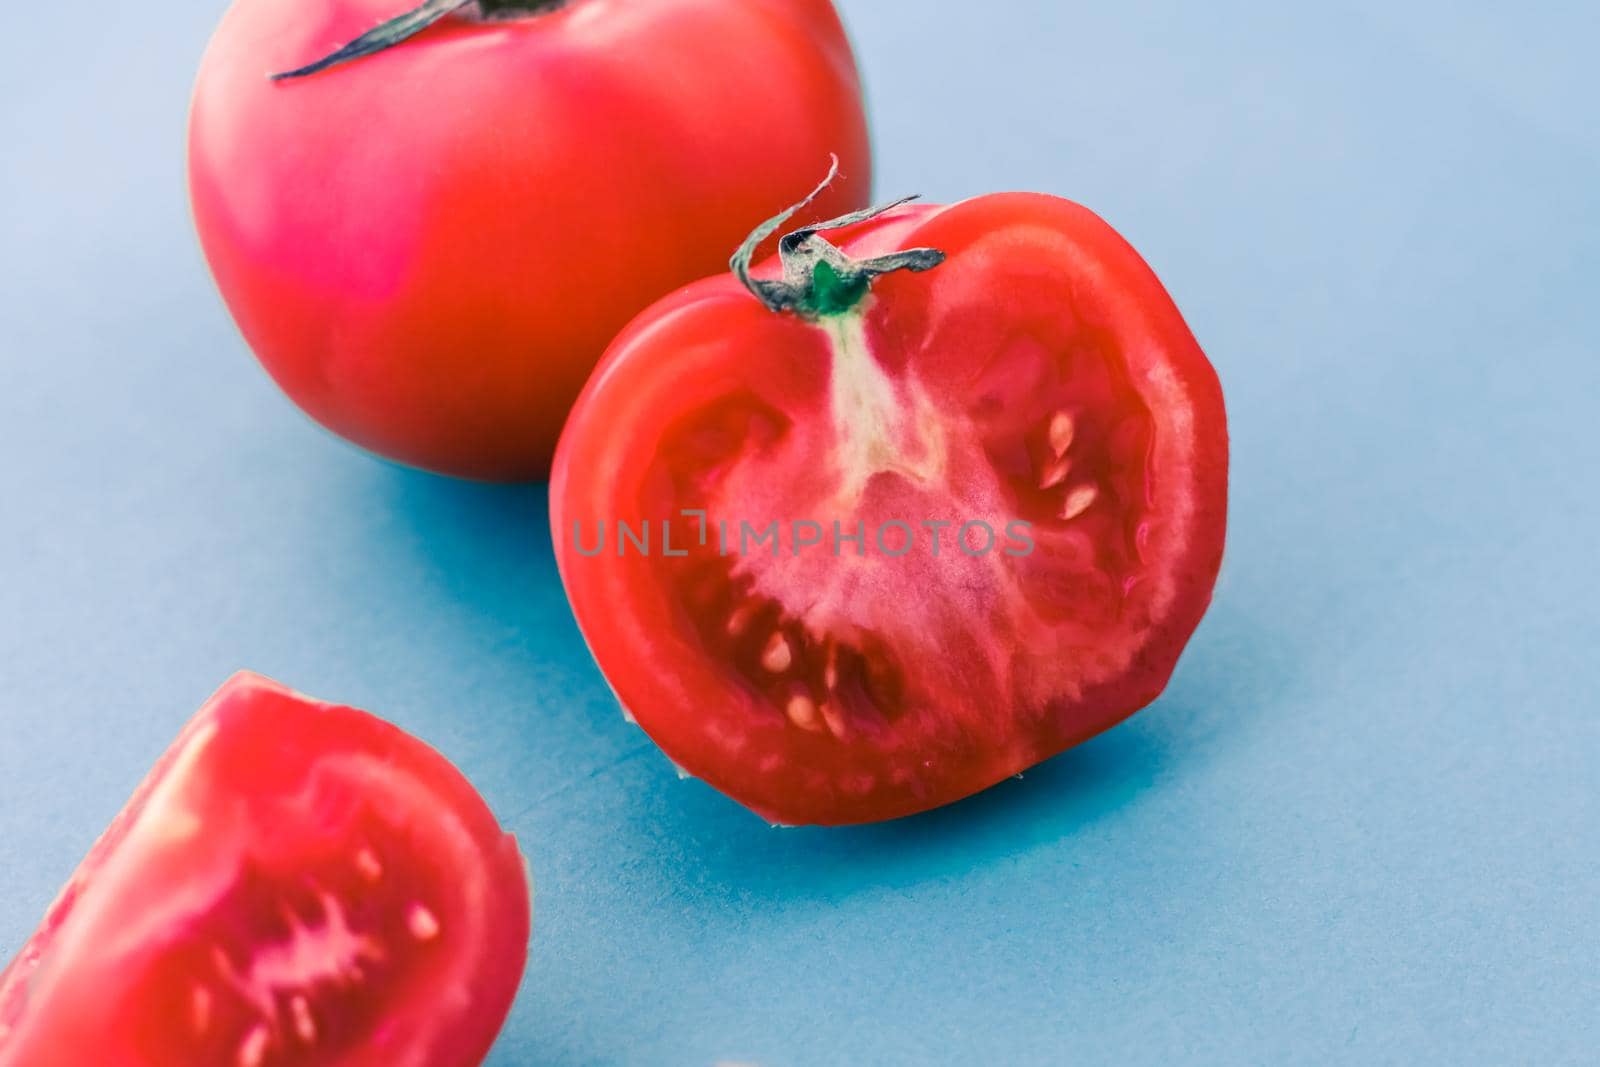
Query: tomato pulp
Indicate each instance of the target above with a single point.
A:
(911, 529)
(294, 885)
(429, 248)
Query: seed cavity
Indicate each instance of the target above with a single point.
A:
(1079, 501)
(793, 670)
(422, 923)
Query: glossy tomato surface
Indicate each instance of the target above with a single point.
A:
(430, 247)
(295, 884)
(1035, 403)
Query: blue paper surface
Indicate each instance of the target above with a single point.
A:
(1360, 826)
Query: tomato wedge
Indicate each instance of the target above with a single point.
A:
(932, 506)
(295, 884)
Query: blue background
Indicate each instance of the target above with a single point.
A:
(1361, 825)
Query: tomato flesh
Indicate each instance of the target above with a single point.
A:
(1033, 449)
(295, 885)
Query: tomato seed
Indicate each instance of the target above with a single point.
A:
(802, 711)
(777, 656)
(367, 863)
(1055, 473)
(304, 1025)
(1078, 501)
(422, 924)
(1062, 428)
(253, 1049)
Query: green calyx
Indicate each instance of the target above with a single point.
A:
(834, 294)
(818, 279)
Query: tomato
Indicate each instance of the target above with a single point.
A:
(294, 885)
(429, 248)
(942, 502)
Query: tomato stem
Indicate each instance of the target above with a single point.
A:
(819, 279)
(403, 27)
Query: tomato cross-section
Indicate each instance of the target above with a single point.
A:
(933, 515)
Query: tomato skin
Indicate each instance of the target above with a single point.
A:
(199, 890)
(429, 248)
(999, 669)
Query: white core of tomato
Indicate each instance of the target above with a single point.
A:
(331, 950)
(878, 429)
(895, 462)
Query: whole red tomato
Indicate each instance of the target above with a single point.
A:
(429, 247)
(917, 518)
(296, 884)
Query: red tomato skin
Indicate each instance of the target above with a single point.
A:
(429, 248)
(689, 346)
(79, 991)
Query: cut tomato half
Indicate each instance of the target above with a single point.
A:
(946, 499)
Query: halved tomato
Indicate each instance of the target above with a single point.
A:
(295, 884)
(908, 519)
